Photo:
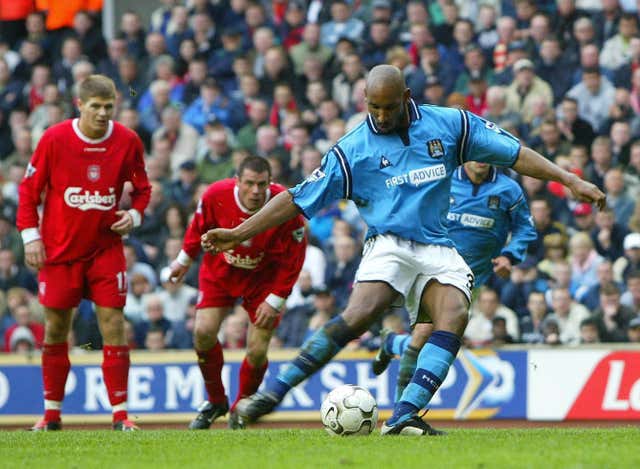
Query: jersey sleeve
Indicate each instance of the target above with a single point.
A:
(330, 182)
(34, 183)
(201, 222)
(523, 231)
(482, 140)
(141, 192)
(287, 255)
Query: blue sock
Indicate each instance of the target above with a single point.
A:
(398, 343)
(433, 365)
(314, 354)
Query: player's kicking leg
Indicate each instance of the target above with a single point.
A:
(210, 361)
(115, 365)
(448, 307)
(367, 302)
(252, 370)
(55, 366)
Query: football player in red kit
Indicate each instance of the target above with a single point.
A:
(261, 271)
(81, 166)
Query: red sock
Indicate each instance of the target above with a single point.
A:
(210, 363)
(55, 369)
(250, 379)
(115, 370)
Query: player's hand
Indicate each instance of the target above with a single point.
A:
(178, 271)
(124, 224)
(266, 315)
(584, 191)
(218, 240)
(34, 254)
(502, 266)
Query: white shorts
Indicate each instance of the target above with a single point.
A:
(407, 266)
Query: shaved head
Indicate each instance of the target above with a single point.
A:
(387, 77)
(387, 98)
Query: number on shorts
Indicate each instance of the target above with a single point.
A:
(121, 278)
(470, 281)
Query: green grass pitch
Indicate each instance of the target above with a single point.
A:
(536, 448)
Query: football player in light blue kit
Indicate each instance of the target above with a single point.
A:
(486, 207)
(397, 167)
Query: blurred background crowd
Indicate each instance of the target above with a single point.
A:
(205, 83)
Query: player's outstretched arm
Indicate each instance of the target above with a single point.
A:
(278, 210)
(533, 164)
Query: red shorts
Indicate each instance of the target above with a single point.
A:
(102, 279)
(225, 290)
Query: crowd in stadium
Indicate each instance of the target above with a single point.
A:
(206, 83)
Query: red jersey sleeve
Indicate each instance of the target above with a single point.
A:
(287, 255)
(34, 183)
(137, 174)
(203, 220)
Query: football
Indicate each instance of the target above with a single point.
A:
(349, 410)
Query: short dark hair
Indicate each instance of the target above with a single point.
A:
(609, 289)
(96, 86)
(589, 322)
(254, 163)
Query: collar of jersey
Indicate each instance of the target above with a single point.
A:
(414, 115)
(92, 141)
(462, 175)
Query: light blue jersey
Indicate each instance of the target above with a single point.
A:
(400, 181)
(480, 218)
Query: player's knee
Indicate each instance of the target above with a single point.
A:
(454, 318)
(256, 353)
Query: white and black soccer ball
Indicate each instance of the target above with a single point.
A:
(349, 410)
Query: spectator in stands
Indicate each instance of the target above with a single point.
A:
(213, 105)
(568, 315)
(630, 261)
(523, 280)
(612, 317)
(341, 272)
(377, 43)
(595, 94)
(574, 128)
(631, 298)
(341, 24)
(552, 144)
(617, 198)
(589, 331)
(602, 161)
(617, 51)
(216, 163)
(139, 288)
(133, 32)
(23, 149)
(482, 314)
(584, 263)
(14, 275)
(184, 186)
(545, 225)
(182, 136)
(153, 318)
(23, 317)
(344, 82)
(151, 112)
(499, 334)
(175, 297)
(531, 323)
(591, 297)
(309, 47)
(525, 87)
(607, 235)
(555, 251)
(633, 333)
(234, 330)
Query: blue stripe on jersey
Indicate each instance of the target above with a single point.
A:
(347, 183)
(464, 137)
